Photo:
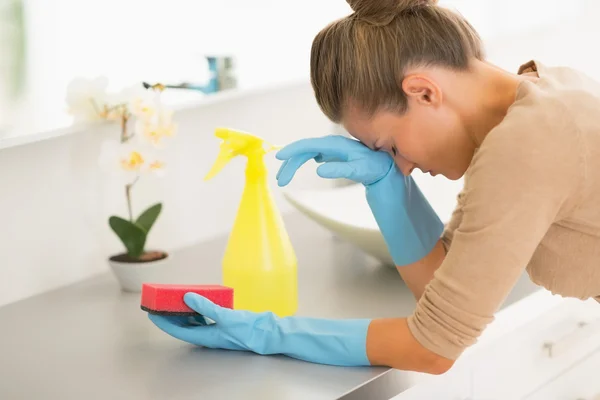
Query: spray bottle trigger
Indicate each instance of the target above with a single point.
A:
(221, 161)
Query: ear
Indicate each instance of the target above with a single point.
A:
(423, 90)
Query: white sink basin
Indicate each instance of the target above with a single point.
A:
(344, 210)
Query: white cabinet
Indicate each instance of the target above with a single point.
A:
(581, 382)
(554, 356)
(537, 353)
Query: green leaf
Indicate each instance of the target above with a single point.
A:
(148, 217)
(132, 236)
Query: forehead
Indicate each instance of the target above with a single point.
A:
(360, 129)
(359, 124)
(377, 128)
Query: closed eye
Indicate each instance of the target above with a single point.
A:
(394, 151)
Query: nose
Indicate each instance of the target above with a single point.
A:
(406, 167)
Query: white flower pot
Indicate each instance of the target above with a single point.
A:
(131, 275)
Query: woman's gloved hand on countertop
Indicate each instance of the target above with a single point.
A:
(322, 341)
(409, 225)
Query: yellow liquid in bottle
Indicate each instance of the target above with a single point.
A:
(268, 291)
(259, 262)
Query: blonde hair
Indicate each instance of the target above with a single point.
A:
(362, 58)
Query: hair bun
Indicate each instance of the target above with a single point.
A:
(382, 12)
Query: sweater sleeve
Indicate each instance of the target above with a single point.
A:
(522, 179)
(453, 223)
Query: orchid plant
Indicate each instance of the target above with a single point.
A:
(144, 124)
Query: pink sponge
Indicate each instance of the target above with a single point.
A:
(167, 299)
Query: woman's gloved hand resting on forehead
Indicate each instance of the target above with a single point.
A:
(409, 225)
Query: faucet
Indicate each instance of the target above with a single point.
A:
(221, 77)
(221, 71)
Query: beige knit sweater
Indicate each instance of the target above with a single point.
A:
(531, 201)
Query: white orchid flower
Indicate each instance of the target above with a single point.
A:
(86, 98)
(130, 160)
(157, 127)
(139, 101)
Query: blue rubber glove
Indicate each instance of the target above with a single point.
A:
(322, 341)
(408, 223)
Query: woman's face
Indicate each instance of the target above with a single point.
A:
(430, 135)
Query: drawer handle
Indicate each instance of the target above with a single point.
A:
(550, 346)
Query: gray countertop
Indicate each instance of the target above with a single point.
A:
(91, 341)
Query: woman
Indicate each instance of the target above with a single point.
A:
(408, 79)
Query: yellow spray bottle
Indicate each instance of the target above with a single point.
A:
(259, 262)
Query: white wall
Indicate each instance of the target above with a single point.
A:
(166, 41)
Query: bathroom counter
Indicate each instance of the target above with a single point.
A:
(92, 341)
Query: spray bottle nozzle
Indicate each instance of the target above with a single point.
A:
(237, 143)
